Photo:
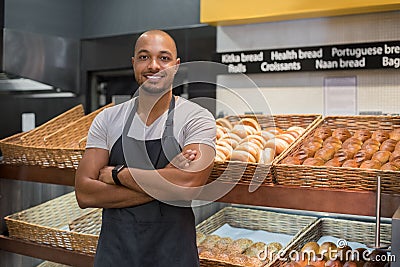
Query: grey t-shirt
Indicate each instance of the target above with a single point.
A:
(192, 124)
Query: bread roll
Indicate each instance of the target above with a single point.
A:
(332, 139)
(314, 162)
(350, 163)
(291, 161)
(255, 249)
(240, 245)
(219, 133)
(266, 135)
(302, 154)
(395, 134)
(341, 133)
(335, 146)
(227, 142)
(219, 155)
(279, 145)
(298, 129)
(325, 154)
(274, 130)
(252, 148)
(388, 145)
(315, 139)
(252, 123)
(335, 162)
(224, 123)
(323, 132)
(381, 156)
(362, 135)
(200, 237)
(352, 141)
(389, 167)
(226, 150)
(395, 154)
(380, 135)
(286, 137)
(344, 154)
(244, 156)
(295, 134)
(363, 155)
(371, 142)
(241, 130)
(256, 139)
(223, 243)
(397, 147)
(371, 164)
(267, 156)
(210, 241)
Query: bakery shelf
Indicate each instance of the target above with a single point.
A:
(277, 196)
(45, 252)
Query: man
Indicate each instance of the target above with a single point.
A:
(134, 169)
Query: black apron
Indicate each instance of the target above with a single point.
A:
(155, 233)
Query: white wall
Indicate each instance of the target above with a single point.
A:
(303, 92)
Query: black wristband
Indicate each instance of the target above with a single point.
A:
(115, 172)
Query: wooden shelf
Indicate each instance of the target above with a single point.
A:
(312, 199)
(45, 252)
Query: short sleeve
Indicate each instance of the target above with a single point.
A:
(97, 135)
(201, 129)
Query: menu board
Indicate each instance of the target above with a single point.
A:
(377, 55)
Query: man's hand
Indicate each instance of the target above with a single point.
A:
(105, 175)
(183, 159)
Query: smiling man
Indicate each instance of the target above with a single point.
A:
(134, 167)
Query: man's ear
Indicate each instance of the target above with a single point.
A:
(132, 60)
(178, 62)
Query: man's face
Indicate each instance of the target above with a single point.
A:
(155, 62)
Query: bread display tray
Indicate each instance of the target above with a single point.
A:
(345, 230)
(56, 143)
(48, 222)
(253, 219)
(339, 177)
(244, 172)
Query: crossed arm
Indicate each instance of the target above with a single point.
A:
(180, 180)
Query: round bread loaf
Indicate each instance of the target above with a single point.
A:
(389, 167)
(323, 132)
(381, 156)
(395, 134)
(325, 153)
(251, 122)
(371, 164)
(380, 135)
(224, 123)
(388, 145)
(350, 163)
(362, 135)
(244, 156)
(341, 133)
(314, 162)
(291, 160)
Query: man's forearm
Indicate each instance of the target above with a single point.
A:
(101, 195)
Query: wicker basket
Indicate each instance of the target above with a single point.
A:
(245, 173)
(253, 219)
(59, 142)
(349, 230)
(340, 177)
(47, 224)
(51, 264)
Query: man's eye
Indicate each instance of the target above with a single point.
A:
(165, 58)
(143, 57)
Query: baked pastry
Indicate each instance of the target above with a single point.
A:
(223, 244)
(371, 164)
(256, 139)
(227, 142)
(363, 135)
(298, 129)
(301, 154)
(244, 156)
(200, 238)
(389, 167)
(344, 154)
(251, 122)
(224, 123)
(226, 150)
(240, 245)
(314, 162)
(279, 145)
(395, 154)
(311, 148)
(295, 134)
(209, 241)
(255, 249)
(252, 148)
(363, 155)
(242, 130)
(267, 156)
(219, 156)
(395, 134)
(397, 146)
(315, 139)
(341, 133)
(323, 132)
(291, 160)
(371, 142)
(266, 135)
(351, 163)
(388, 145)
(286, 137)
(273, 248)
(335, 162)
(381, 156)
(352, 141)
(274, 130)
(325, 153)
(380, 135)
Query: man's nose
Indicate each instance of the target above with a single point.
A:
(153, 64)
